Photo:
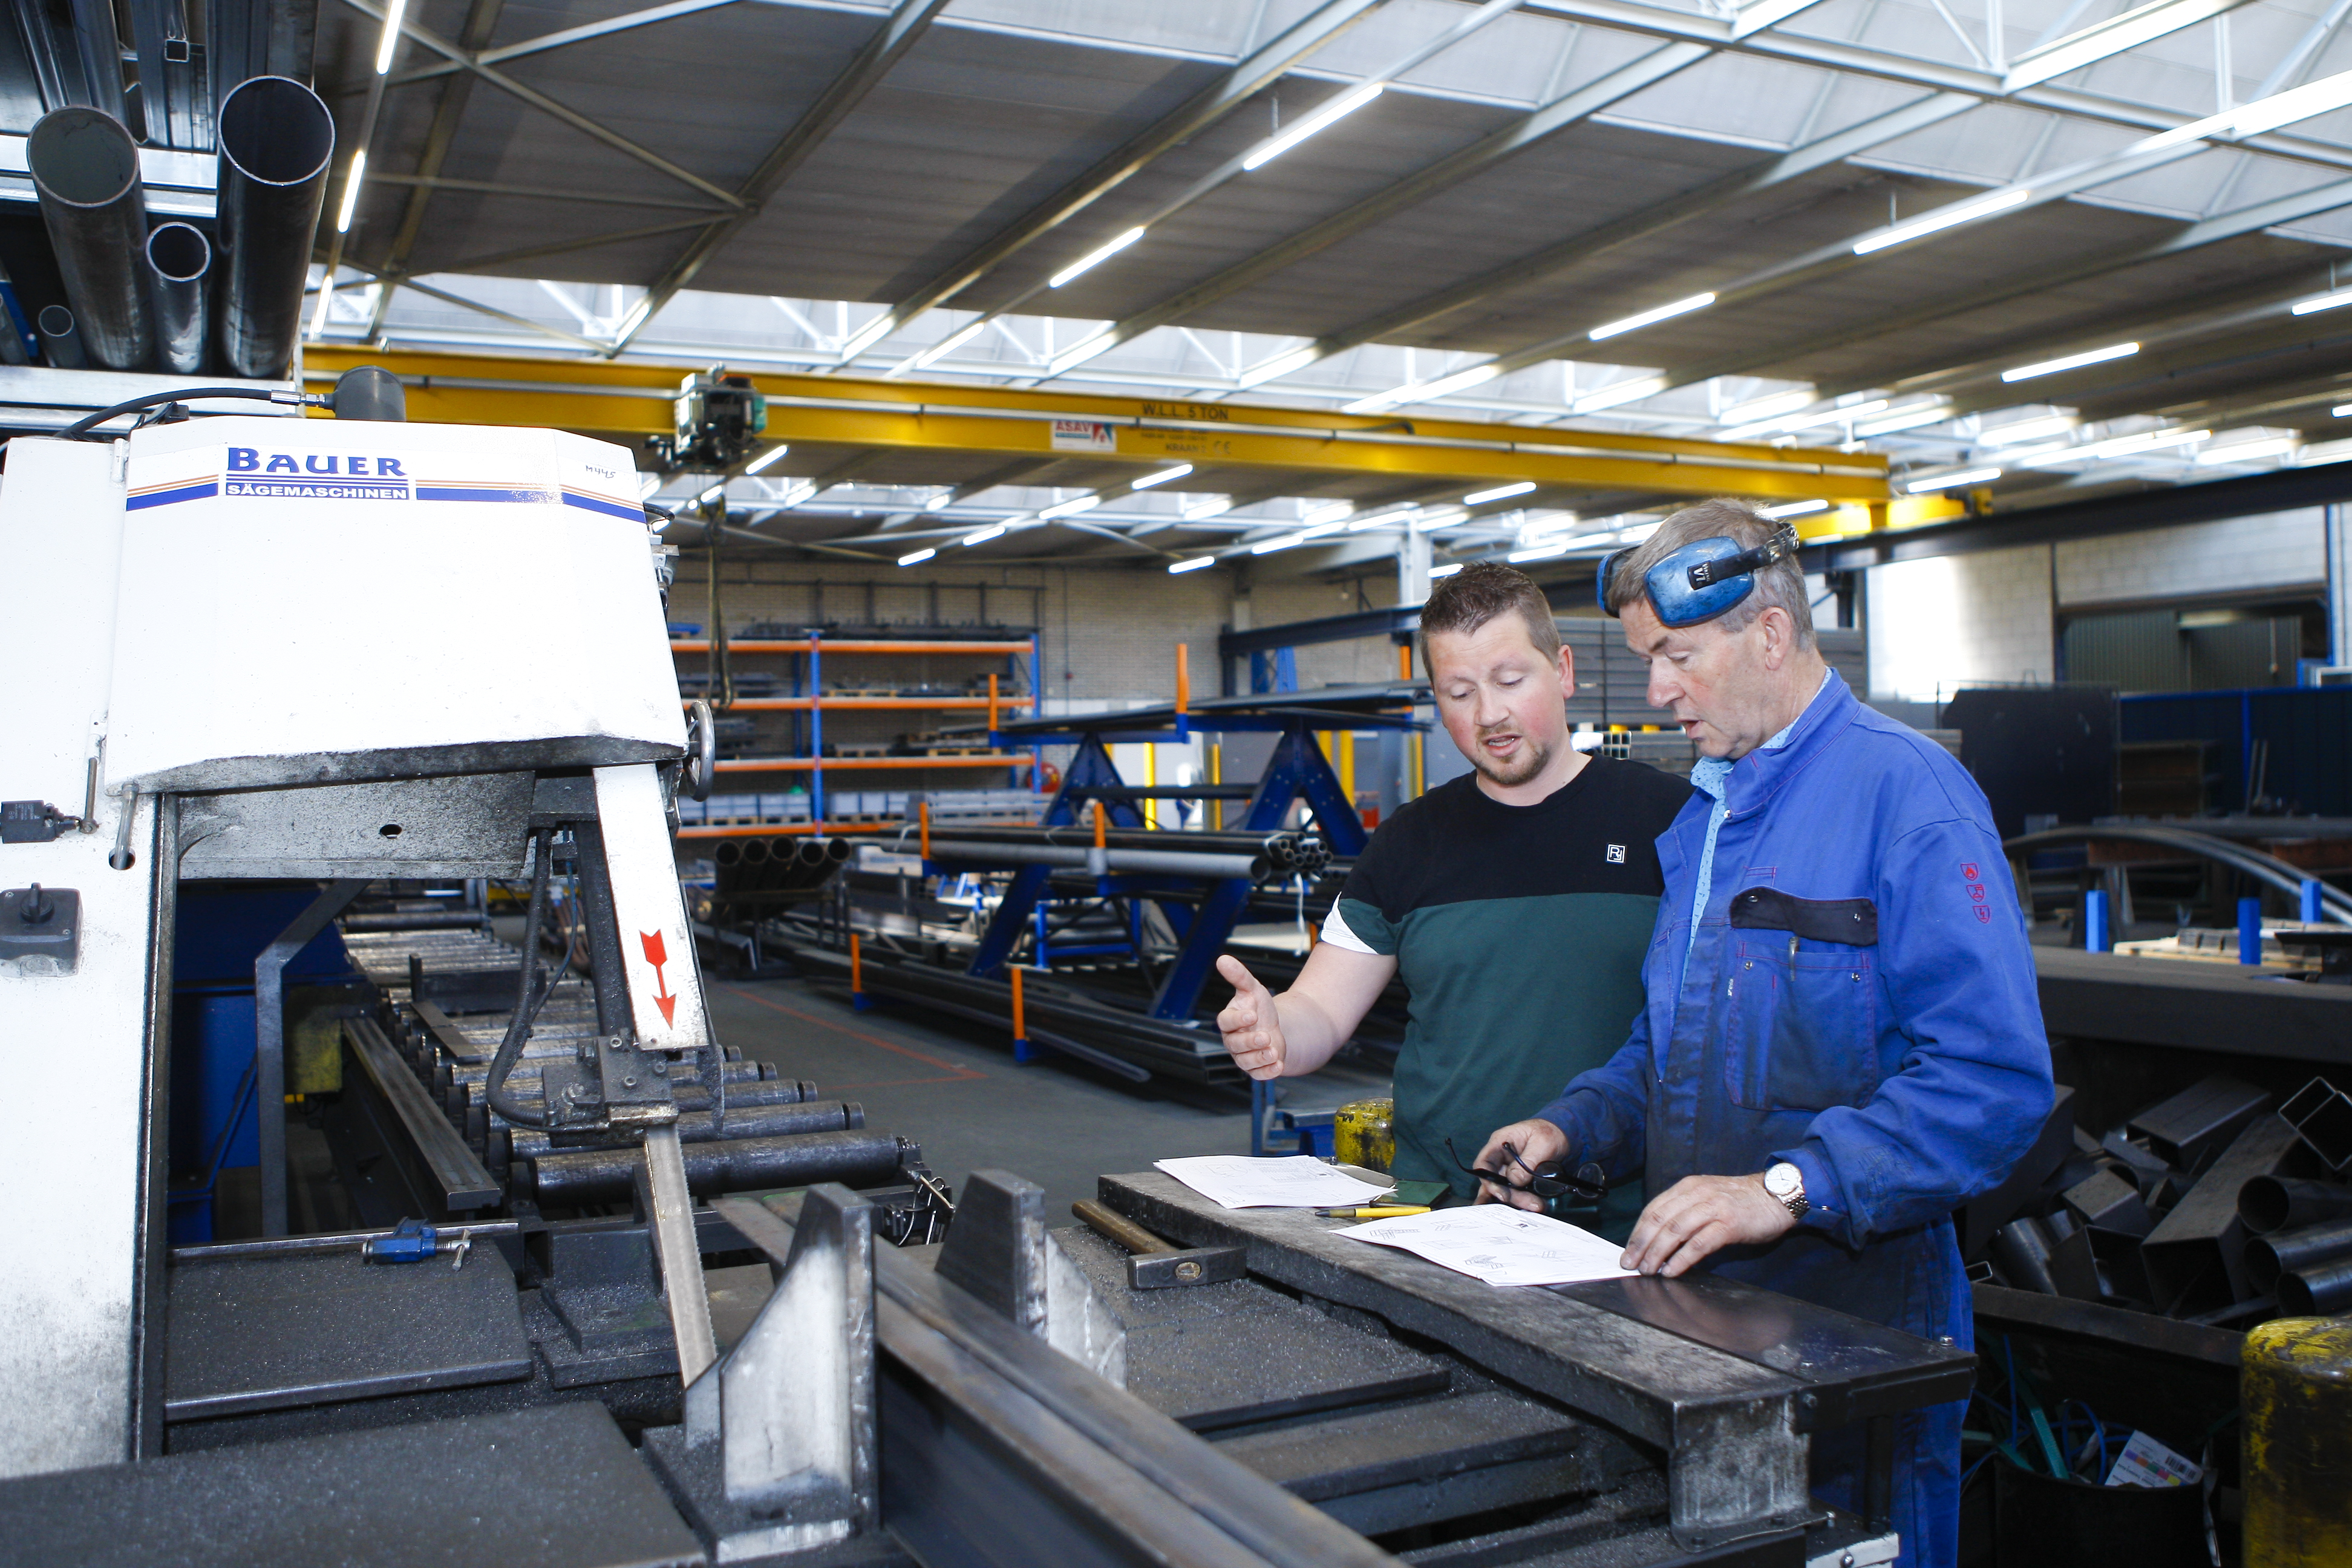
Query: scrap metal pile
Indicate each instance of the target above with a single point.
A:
(2220, 1205)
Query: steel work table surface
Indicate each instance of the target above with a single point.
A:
(1726, 1378)
(553, 1488)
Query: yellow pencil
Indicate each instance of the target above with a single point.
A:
(1391, 1212)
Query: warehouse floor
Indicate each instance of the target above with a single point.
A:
(960, 1095)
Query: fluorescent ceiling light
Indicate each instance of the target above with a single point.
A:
(1664, 312)
(1951, 481)
(1070, 508)
(1793, 509)
(1623, 392)
(1906, 419)
(1320, 528)
(2247, 451)
(1329, 512)
(1346, 103)
(715, 493)
(1207, 507)
(1500, 492)
(1268, 546)
(1440, 516)
(1094, 256)
(1401, 514)
(2112, 37)
(1102, 342)
(1437, 571)
(2071, 361)
(915, 557)
(1836, 415)
(351, 192)
(1423, 392)
(2321, 97)
(1541, 552)
(2027, 430)
(388, 43)
(1162, 477)
(2325, 302)
(982, 536)
(939, 500)
(1772, 407)
(1552, 522)
(1281, 365)
(765, 460)
(1194, 565)
(2341, 411)
(2121, 447)
(948, 346)
(1586, 541)
(864, 337)
(1943, 218)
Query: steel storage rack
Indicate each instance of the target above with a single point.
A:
(800, 690)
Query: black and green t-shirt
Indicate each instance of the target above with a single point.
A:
(1518, 932)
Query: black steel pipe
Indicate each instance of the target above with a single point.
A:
(1284, 850)
(60, 339)
(855, 1159)
(2268, 1203)
(2271, 1257)
(276, 141)
(2322, 1291)
(742, 1121)
(85, 170)
(179, 281)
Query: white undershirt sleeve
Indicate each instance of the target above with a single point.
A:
(1336, 933)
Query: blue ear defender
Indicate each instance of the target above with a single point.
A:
(1704, 578)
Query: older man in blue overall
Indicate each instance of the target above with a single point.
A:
(1841, 1041)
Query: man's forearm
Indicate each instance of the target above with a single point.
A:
(1311, 1037)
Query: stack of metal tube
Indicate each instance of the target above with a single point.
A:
(771, 1131)
(138, 299)
(753, 871)
(1256, 856)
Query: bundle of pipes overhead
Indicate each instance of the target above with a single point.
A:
(169, 298)
(1256, 856)
(757, 871)
(750, 1130)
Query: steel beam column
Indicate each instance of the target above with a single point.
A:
(269, 1041)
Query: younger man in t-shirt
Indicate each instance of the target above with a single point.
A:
(1515, 901)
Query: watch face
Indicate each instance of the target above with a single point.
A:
(1782, 1180)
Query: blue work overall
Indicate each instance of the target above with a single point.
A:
(1901, 1076)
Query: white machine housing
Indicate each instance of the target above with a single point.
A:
(308, 601)
(292, 649)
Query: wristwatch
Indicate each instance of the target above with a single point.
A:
(1786, 1184)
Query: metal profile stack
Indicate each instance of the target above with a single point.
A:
(448, 995)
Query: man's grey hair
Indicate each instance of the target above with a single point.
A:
(1781, 583)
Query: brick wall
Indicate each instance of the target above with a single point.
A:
(2271, 551)
(1940, 623)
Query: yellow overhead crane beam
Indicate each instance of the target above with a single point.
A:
(627, 399)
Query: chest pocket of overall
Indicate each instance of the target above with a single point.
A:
(1800, 1009)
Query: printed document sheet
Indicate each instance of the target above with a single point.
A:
(1298, 1180)
(1500, 1245)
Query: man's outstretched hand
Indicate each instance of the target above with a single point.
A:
(1700, 1215)
(1252, 1028)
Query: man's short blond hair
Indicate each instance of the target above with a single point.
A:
(1781, 584)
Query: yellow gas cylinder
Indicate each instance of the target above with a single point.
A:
(2295, 1383)
(1363, 1133)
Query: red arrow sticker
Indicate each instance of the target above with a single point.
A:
(657, 955)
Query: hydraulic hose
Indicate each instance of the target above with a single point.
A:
(526, 1007)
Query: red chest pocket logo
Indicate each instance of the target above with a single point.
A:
(1984, 914)
(1968, 873)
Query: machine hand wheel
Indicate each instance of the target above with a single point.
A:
(702, 749)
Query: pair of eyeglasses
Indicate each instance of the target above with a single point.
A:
(1589, 1183)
